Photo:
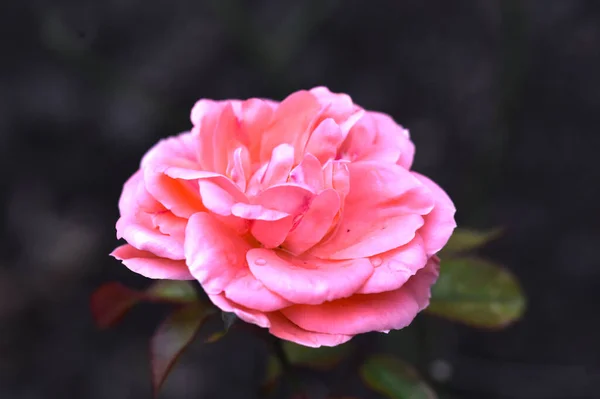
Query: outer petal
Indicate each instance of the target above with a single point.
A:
(169, 224)
(181, 197)
(439, 223)
(307, 281)
(394, 200)
(282, 328)
(248, 315)
(395, 267)
(377, 137)
(216, 258)
(373, 312)
(215, 255)
(135, 197)
(149, 265)
(145, 238)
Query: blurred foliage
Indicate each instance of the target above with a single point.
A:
(394, 378)
(470, 290)
(476, 292)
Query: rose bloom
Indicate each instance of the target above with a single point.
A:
(302, 216)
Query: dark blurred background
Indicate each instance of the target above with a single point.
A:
(502, 98)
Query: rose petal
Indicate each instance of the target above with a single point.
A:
(135, 197)
(439, 223)
(377, 137)
(395, 267)
(394, 200)
(272, 234)
(291, 122)
(248, 315)
(282, 328)
(280, 165)
(181, 197)
(256, 115)
(315, 223)
(249, 292)
(257, 212)
(311, 281)
(359, 313)
(145, 238)
(219, 194)
(151, 266)
(214, 253)
(169, 224)
(325, 140)
(308, 174)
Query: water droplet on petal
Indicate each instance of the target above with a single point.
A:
(376, 261)
(260, 262)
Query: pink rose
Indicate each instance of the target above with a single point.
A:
(302, 217)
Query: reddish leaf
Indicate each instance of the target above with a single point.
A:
(111, 301)
(172, 337)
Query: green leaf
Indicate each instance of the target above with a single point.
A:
(172, 291)
(476, 292)
(323, 358)
(172, 337)
(111, 301)
(394, 378)
(464, 240)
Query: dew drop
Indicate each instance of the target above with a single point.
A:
(376, 261)
(260, 262)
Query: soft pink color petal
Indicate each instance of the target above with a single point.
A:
(141, 235)
(282, 328)
(151, 266)
(358, 314)
(257, 212)
(308, 174)
(181, 197)
(377, 137)
(325, 140)
(256, 116)
(339, 107)
(291, 124)
(248, 315)
(214, 253)
(394, 200)
(272, 234)
(439, 223)
(225, 138)
(395, 267)
(215, 126)
(238, 167)
(279, 167)
(249, 292)
(315, 223)
(219, 194)
(169, 224)
(135, 197)
(336, 175)
(310, 281)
